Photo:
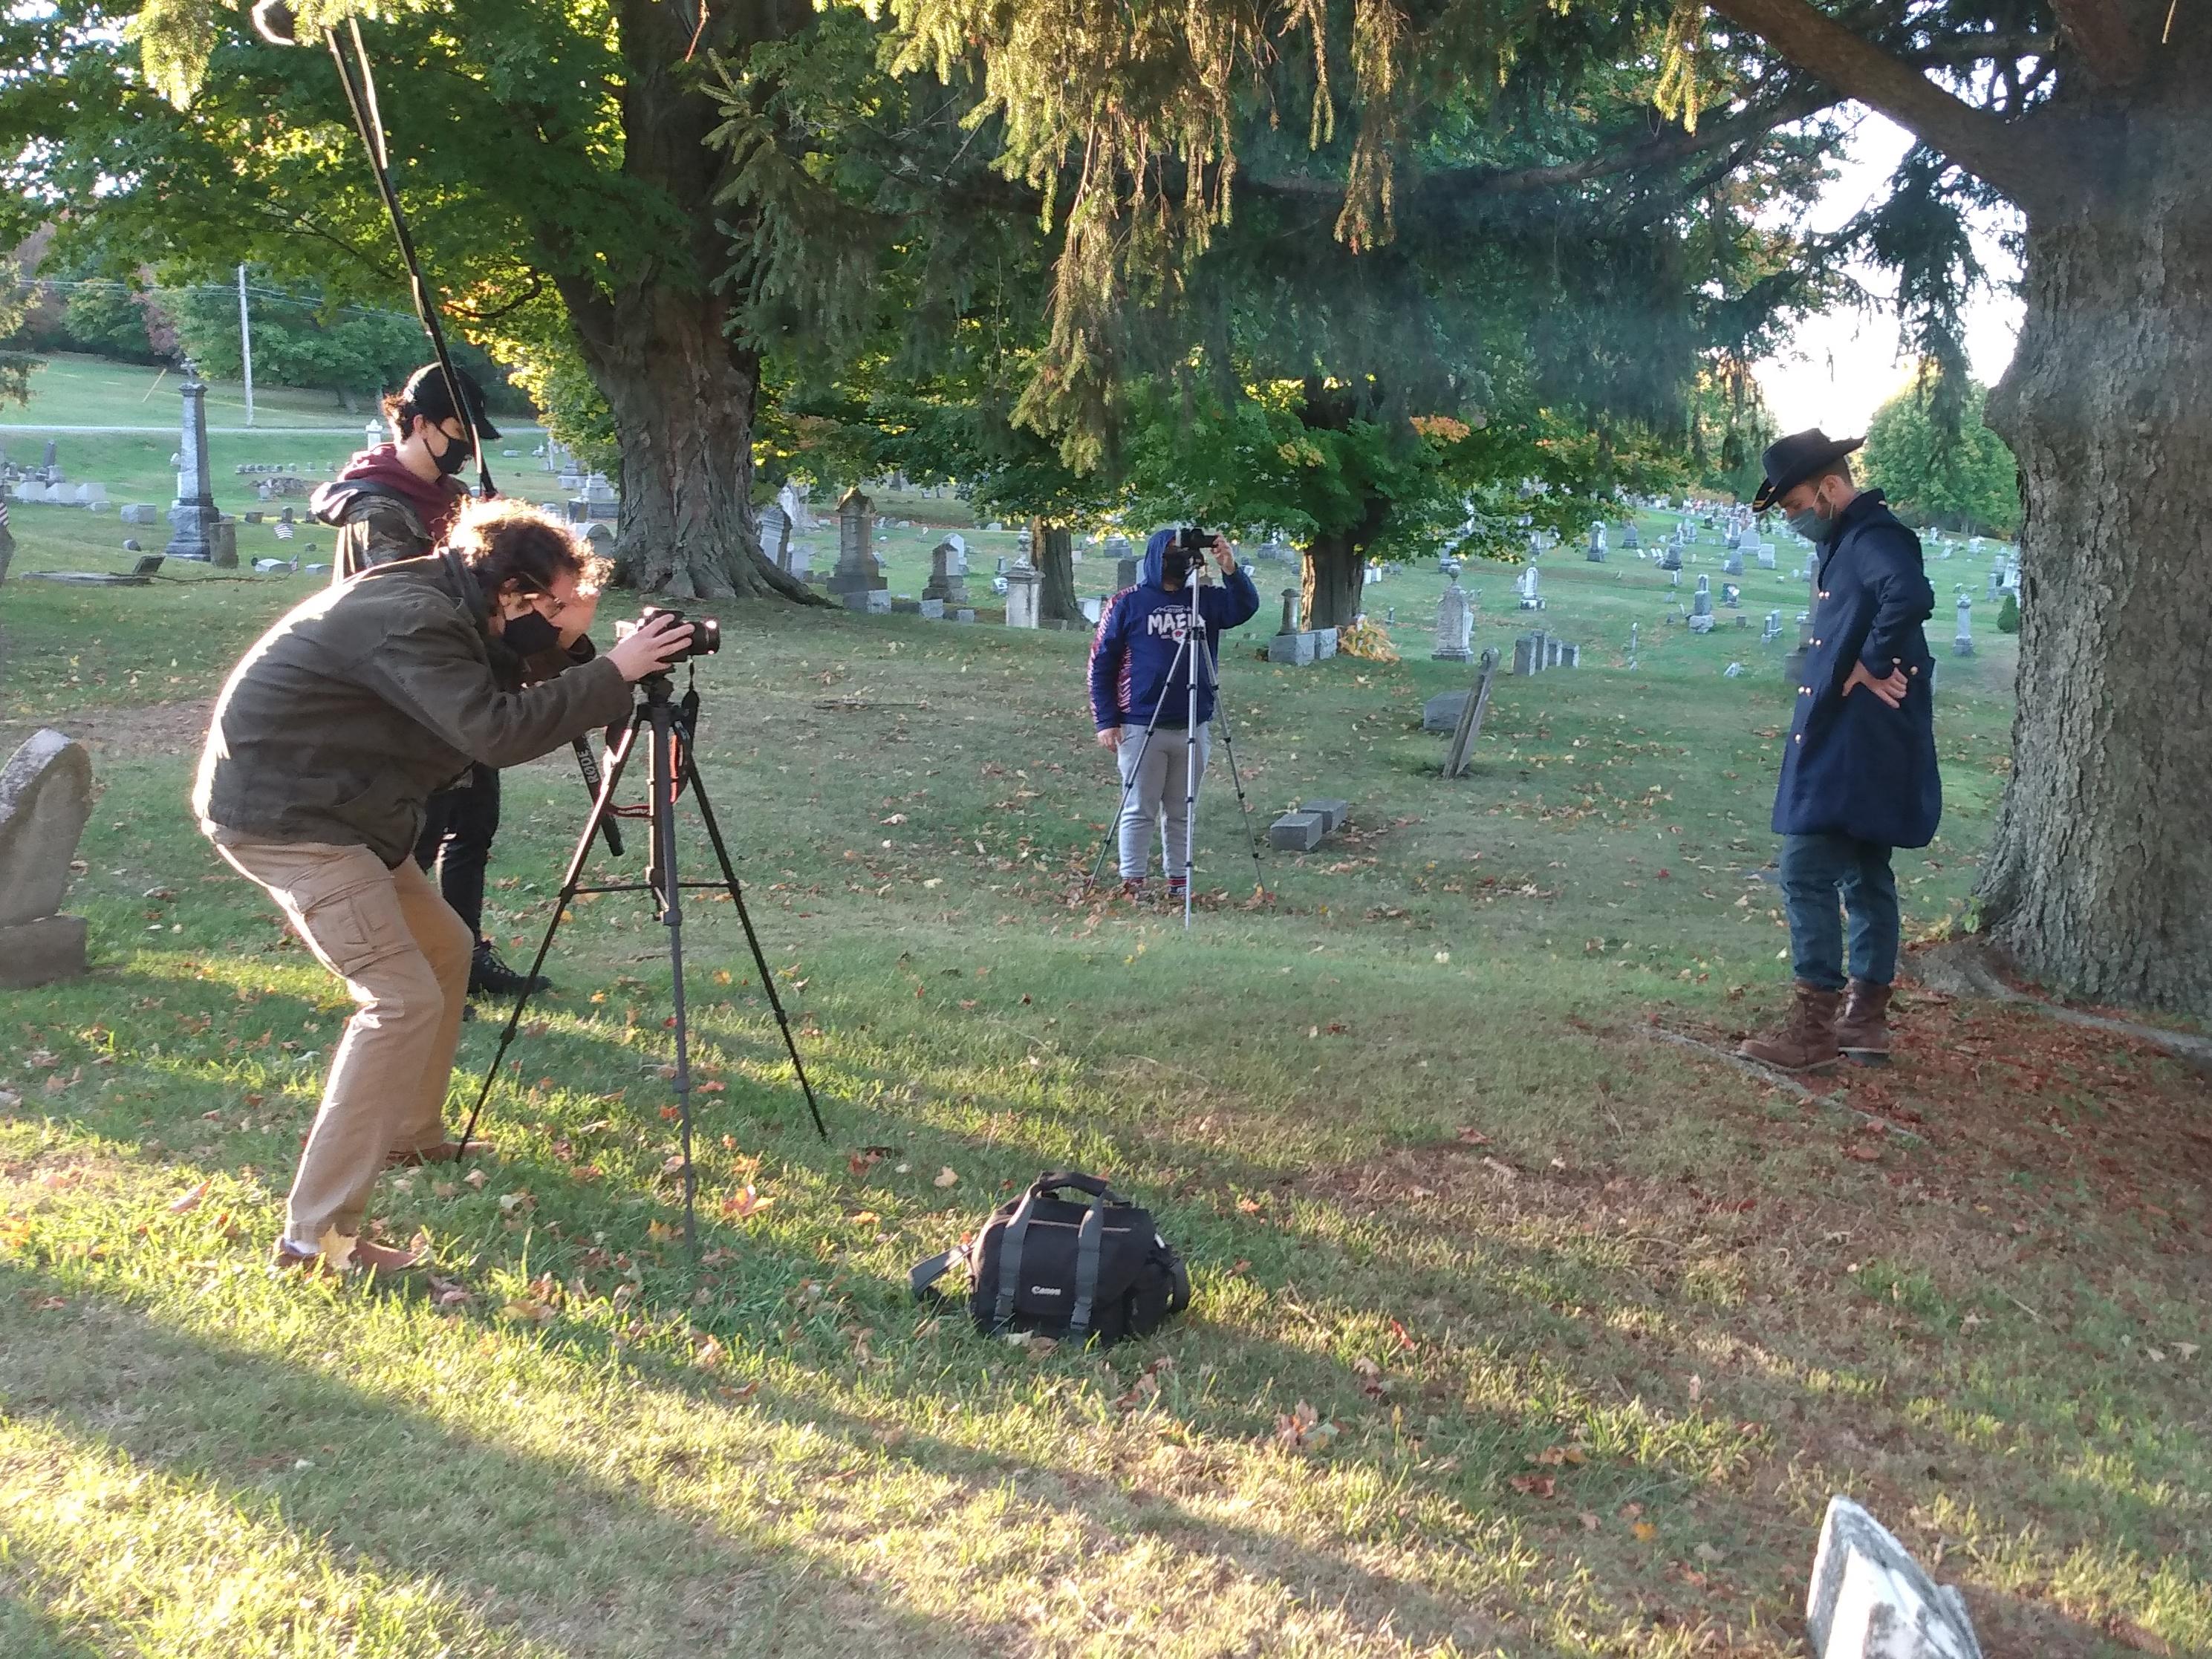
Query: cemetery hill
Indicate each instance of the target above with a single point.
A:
(1526, 1317)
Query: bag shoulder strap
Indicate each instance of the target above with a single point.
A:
(1088, 1238)
(1045, 1185)
(1010, 1259)
(927, 1270)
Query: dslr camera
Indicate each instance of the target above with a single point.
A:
(1187, 552)
(706, 631)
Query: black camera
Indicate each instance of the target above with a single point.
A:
(1193, 542)
(706, 631)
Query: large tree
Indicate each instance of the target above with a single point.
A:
(2090, 115)
(553, 157)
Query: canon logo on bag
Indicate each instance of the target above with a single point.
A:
(1044, 1289)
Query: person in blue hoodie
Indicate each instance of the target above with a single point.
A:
(1138, 682)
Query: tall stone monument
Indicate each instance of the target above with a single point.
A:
(857, 575)
(192, 515)
(1024, 587)
(1455, 625)
(45, 796)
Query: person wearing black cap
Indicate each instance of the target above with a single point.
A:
(1858, 770)
(398, 500)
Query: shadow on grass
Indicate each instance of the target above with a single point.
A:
(28, 1630)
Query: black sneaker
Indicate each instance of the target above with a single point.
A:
(490, 977)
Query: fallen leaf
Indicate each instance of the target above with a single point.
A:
(1589, 1520)
(947, 1176)
(1534, 1485)
(474, 1178)
(1644, 1531)
(1708, 1554)
(1301, 1429)
(740, 1205)
(190, 1200)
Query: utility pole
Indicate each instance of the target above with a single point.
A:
(246, 343)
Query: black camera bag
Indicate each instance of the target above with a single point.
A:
(1058, 1267)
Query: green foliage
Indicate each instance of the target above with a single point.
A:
(349, 350)
(108, 318)
(1969, 481)
(2009, 614)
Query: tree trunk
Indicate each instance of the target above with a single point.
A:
(1053, 547)
(1335, 571)
(657, 337)
(2099, 879)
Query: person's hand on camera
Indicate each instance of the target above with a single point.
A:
(1223, 557)
(1109, 737)
(650, 646)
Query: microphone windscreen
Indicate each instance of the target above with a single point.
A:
(273, 21)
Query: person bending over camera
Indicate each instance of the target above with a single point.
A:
(329, 737)
(1132, 687)
(397, 501)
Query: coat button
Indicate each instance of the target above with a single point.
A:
(1816, 641)
(1801, 737)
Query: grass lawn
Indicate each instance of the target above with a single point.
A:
(1517, 1330)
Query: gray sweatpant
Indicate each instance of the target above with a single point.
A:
(1159, 797)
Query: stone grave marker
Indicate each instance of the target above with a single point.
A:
(1525, 584)
(45, 797)
(858, 573)
(946, 584)
(1962, 642)
(1455, 625)
(775, 536)
(1460, 755)
(1527, 654)
(1024, 592)
(1869, 1599)
(1630, 538)
(1731, 595)
(1598, 550)
(1296, 832)
(193, 512)
(1773, 631)
(1324, 643)
(140, 513)
(1701, 602)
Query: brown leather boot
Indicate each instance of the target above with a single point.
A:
(1863, 1032)
(1807, 1041)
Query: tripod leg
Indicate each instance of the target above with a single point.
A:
(1190, 763)
(1235, 779)
(670, 894)
(752, 939)
(570, 882)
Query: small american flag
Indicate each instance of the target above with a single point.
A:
(283, 532)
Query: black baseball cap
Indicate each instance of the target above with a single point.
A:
(427, 394)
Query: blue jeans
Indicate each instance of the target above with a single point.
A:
(1815, 869)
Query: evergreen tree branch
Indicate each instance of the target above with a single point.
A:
(2018, 161)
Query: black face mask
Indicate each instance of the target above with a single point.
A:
(529, 633)
(454, 457)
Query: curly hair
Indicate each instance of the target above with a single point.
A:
(504, 541)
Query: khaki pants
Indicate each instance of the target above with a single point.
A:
(404, 958)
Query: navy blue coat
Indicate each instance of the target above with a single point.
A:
(1140, 633)
(1854, 766)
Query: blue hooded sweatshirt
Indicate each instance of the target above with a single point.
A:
(1139, 630)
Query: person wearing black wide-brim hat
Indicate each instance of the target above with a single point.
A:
(1858, 769)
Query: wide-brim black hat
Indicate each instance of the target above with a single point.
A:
(427, 393)
(1789, 461)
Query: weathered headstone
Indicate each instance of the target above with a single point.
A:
(1461, 754)
(775, 536)
(877, 601)
(933, 610)
(1870, 1599)
(1525, 584)
(1773, 631)
(1731, 595)
(1455, 625)
(1528, 658)
(1295, 649)
(1764, 555)
(1701, 602)
(223, 544)
(1324, 640)
(1290, 611)
(1332, 813)
(46, 797)
(1629, 537)
(946, 584)
(50, 471)
(1126, 571)
(1732, 565)
(1962, 642)
(857, 575)
(193, 512)
(1024, 590)
(1296, 832)
(1597, 552)
(140, 513)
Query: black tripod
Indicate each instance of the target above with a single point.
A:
(671, 763)
(1195, 644)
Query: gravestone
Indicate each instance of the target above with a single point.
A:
(1332, 813)
(1553, 649)
(775, 536)
(1290, 611)
(1670, 556)
(1525, 584)
(1527, 654)
(1869, 1599)
(1125, 574)
(1024, 589)
(1732, 565)
(877, 601)
(93, 495)
(1455, 625)
(51, 470)
(140, 513)
(945, 585)
(1296, 832)
(193, 512)
(1764, 555)
(1731, 595)
(1324, 642)
(1701, 602)
(1441, 713)
(1295, 649)
(933, 610)
(1962, 642)
(1596, 553)
(223, 544)
(46, 797)
(1631, 645)
(1461, 753)
(1773, 631)
(858, 573)
(1630, 538)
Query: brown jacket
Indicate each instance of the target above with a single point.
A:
(345, 715)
